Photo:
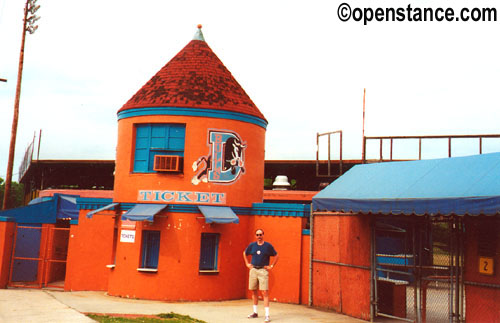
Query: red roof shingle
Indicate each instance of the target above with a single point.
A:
(194, 78)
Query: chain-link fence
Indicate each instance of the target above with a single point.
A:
(419, 270)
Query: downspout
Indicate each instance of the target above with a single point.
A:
(461, 268)
(311, 236)
(373, 272)
(418, 273)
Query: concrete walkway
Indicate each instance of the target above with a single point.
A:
(34, 305)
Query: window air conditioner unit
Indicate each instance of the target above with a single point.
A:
(167, 163)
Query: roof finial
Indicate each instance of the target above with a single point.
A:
(199, 35)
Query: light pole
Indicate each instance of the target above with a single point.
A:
(28, 26)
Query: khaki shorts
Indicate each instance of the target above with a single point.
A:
(260, 276)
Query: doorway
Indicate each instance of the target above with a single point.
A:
(39, 255)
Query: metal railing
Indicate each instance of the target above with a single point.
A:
(420, 139)
(329, 165)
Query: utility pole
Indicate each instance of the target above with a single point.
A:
(28, 26)
(363, 151)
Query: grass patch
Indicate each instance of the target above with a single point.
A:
(164, 317)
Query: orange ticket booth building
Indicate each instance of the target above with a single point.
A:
(188, 194)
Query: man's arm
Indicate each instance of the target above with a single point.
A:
(247, 264)
(275, 260)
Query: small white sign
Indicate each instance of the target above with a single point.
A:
(127, 236)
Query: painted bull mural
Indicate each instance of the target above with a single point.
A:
(224, 163)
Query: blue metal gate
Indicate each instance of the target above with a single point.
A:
(26, 258)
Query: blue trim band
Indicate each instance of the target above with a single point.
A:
(92, 203)
(192, 112)
(281, 209)
(273, 209)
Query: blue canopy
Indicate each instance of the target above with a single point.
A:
(40, 200)
(45, 210)
(66, 208)
(142, 212)
(218, 214)
(104, 208)
(459, 185)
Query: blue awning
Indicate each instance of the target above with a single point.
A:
(40, 200)
(107, 207)
(141, 212)
(459, 185)
(45, 210)
(66, 208)
(218, 214)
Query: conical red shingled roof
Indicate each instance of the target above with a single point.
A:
(194, 78)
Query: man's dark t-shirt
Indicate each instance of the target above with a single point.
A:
(260, 254)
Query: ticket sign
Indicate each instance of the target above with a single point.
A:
(486, 265)
(127, 236)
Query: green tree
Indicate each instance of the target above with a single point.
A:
(16, 193)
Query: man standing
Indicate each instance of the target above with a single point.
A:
(260, 251)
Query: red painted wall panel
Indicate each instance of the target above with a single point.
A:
(482, 303)
(6, 243)
(342, 239)
(355, 289)
(326, 286)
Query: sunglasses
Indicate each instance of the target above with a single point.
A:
(259, 234)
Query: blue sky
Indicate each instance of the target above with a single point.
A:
(303, 67)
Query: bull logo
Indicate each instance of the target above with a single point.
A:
(224, 163)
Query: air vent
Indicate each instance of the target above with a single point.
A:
(167, 163)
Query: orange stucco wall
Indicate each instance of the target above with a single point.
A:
(285, 234)
(482, 303)
(89, 251)
(304, 287)
(6, 244)
(344, 240)
(247, 189)
(178, 277)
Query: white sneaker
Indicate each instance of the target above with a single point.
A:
(253, 315)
